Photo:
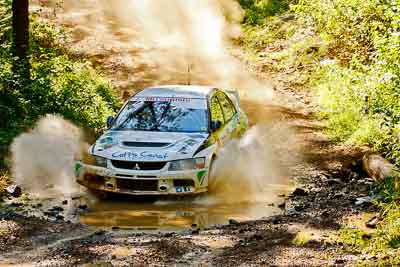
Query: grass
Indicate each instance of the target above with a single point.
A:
(4, 180)
(302, 238)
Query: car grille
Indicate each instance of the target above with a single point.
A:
(142, 165)
(137, 185)
(144, 144)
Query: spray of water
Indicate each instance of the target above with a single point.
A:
(253, 168)
(42, 159)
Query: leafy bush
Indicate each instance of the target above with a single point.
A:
(350, 52)
(359, 90)
(256, 11)
(58, 84)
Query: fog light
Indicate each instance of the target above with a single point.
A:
(163, 187)
(109, 185)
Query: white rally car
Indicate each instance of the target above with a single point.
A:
(163, 141)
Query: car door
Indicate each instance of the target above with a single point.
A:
(231, 116)
(224, 111)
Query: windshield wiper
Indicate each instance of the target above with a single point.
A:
(131, 115)
(162, 117)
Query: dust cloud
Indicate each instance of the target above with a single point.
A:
(140, 43)
(42, 159)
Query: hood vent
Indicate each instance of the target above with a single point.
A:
(144, 144)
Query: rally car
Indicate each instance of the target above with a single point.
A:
(163, 141)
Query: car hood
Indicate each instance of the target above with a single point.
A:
(147, 146)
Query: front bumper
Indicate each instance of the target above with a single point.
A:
(135, 182)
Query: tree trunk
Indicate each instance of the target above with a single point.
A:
(20, 24)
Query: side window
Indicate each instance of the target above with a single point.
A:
(216, 111)
(227, 106)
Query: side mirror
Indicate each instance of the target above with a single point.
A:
(110, 120)
(215, 125)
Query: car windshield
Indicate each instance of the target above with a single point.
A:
(164, 115)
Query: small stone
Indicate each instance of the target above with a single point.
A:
(339, 261)
(366, 236)
(366, 200)
(338, 195)
(257, 237)
(65, 202)
(100, 232)
(298, 207)
(169, 234)
(233, 222)
(372, 222)
(291, 212)
(299, 192)
(195, 231)
(325, 213)
(275, 221)
(14, 190)
(82, 207)
(334, 182)
(56, 208)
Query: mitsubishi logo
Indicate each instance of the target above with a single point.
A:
(136, 167)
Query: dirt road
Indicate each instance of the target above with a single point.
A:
(328, 180)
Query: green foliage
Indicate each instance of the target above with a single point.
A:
(256, 11)
(58, 84)
(359, 89)
(382, 243)
(349, 51)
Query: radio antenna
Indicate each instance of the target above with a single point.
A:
(189, 68)
(188, 73)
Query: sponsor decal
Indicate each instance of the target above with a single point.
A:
(163, 99)
(191, 142)
(184, 150)
(111, 133)
(188, 144)
(147, 155)
(200, 176)
(106, 143)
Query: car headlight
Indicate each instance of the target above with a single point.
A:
(187, 164)
(100, 161)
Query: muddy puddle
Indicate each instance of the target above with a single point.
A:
(178, 214)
